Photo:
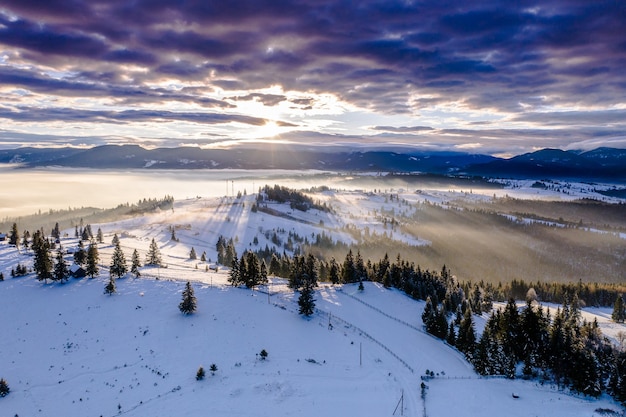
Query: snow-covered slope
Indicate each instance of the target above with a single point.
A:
(69, 350)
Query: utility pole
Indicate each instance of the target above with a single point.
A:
(361, 354)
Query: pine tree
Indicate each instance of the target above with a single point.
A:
(80, 256)
(86, 233)
(466, 338)
(135, 264)
(25, 238)
(619, 310)
(192, 254)
(110, 288)
(118, 266)
(93, 257)
(349, 268)
(334, 274)
(116, 240)
(14, 237)
(42, 264)
(61, 271)
(306, 302)
(99, 236)
(213, 369)
(263, 273)
(56, 233)
(188, 304)
(617, 380)
(4, 388)
(154, 254)
(220, 248)
(428, 314)
(200, 374)
(230, 254)
(451, 337)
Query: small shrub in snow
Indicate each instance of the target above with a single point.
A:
(200, 374)
(213, 369)
(110, 287)
(4, 388)
(263, 354)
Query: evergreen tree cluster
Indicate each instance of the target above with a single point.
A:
(19, 271)
(564, 348)
(150, 204)
(296, 199)
(226, 252)
(248, 271)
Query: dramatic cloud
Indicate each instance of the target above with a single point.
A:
(489, 76)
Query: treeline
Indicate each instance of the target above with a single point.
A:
(151, 204)
(296, 199)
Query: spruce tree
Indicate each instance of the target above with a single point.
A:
(42, 264)
(118, 266)
(200, 374)
(99, 236)
(234, 276)
(192, 254)
(349, 269)
(4, 388)
(154, 254)
(619, 310)
(80, 256)
(466, 338)
(135, 264)
(93, 257)
(86, 235)
(25, 239)
(56, 233)
(306, 302)
(213, 369)
(61, 271)
(230, 254)
(14, 237)
(188, 304)
(334, 275)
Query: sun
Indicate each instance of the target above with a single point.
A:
(269, 130)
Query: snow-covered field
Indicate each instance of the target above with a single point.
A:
(69, 350)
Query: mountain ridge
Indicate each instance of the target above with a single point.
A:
(597, 164)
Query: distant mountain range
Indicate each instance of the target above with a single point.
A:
(598, 164)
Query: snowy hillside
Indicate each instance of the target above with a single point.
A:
(69, 350)
(76, 351)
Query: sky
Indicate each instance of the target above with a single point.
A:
(494, 77)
